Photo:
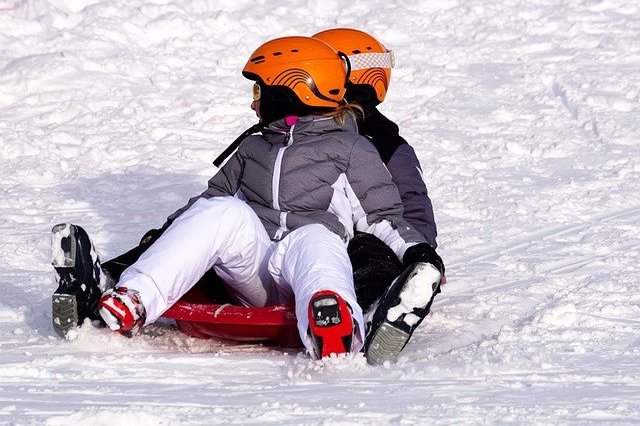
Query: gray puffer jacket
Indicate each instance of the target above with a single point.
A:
(316, 171)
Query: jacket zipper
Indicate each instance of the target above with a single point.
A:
(275, 186)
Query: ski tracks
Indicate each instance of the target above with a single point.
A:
(577, 289)
(530, 240)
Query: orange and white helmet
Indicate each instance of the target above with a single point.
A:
(311, 68)
(370, 61)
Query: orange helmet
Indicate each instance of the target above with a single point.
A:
(311, 68)
(370, 61)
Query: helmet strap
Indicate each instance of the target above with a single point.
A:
(346, 60)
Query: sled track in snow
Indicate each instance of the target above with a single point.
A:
(542, 273)
(559, 267)
(532, 240)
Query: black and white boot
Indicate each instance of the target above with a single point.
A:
(399, 312)
(80, 278)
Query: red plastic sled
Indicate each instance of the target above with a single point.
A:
(198, 316)
(202, 316)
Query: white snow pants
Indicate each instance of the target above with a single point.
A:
(224, 233)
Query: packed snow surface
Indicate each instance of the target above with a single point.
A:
(524, 115)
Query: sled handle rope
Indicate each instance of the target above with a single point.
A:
(234, 145)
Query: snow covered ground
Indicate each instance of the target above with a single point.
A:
(524, 115)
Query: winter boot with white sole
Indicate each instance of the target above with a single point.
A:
(399, 312)
(80, 278)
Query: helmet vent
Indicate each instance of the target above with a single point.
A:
(356, 51)
(334, 91)
(369, 48)
(277, 53)
(294, 50)
(258, 59)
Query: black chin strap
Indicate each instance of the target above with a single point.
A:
(234, 145)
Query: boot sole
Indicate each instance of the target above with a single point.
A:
(63, 245)
(64, 313)
(331, 324)
(64, 307)
(417, 292)
(386, 345)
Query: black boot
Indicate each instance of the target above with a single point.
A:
(375, 266)
(400, 310)
(80, 278)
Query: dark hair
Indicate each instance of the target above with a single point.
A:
(363, 94)
(277, 102)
